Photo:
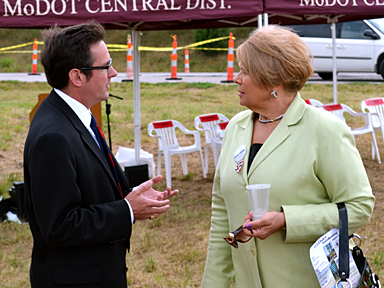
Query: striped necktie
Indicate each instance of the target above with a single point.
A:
(105, 149)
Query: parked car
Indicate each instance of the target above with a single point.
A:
(360, 46)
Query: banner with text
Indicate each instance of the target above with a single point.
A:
(45, 13)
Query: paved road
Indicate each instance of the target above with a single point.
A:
(199, 77)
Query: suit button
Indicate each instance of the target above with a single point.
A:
(253, 252)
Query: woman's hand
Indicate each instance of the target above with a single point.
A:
(264, 227)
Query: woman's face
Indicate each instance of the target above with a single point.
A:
(251, 95)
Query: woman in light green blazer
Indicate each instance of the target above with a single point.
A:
(306, 154)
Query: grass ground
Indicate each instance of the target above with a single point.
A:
(169, 251)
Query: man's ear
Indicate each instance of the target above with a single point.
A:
(76, 77)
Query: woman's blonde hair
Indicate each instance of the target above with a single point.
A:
(274, 55)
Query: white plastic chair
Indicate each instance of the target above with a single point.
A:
(375, 107)
(209, 124)
(165, 132)
(314, 102)
(339, 109)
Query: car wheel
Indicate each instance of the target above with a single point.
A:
(381, 69)
(326, 75)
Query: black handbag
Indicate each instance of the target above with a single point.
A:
(368, 279)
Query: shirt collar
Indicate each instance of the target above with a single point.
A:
(80, 110)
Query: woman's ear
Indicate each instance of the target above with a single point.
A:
(76, 77)
(276, 88)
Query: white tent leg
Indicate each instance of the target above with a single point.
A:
(333, 29)
(260, 20)
(136, 92)
(266, 19)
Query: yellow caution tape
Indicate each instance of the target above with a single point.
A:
(16, 46)
(162, 49)
(13, 52)
(120, 47)
(117, 46)
(206, 42)
(165, 49)
(212, 49)
(21, 45)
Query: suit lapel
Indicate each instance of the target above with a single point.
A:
(292, 116)
(84, 133)
(277, 137)
(245, 138)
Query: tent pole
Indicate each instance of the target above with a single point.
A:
(260, 20)
(136, 92)
(265, 19)
(333, 29)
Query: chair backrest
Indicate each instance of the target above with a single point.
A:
(374, 105)
(314, 102)
(336, 109)
(207, 123)
(166, 130)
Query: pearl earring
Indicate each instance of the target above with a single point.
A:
(274, 94)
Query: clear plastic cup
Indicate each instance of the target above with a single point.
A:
(259, 199)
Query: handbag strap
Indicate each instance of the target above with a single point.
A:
(343, 243)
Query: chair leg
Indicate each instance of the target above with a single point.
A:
(159, 163)
(375, 148)
(167, 160)
(202, 164)
(206, 154)
(183, 158)
(215, 151)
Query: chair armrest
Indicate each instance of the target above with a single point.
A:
(200, 129)
(196, 135)
(370, 114)
(185, 130)
(155, 136)
(150, 132)
(352, 112)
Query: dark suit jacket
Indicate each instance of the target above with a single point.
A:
(80, 224)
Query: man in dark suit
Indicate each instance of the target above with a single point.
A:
(78, 201)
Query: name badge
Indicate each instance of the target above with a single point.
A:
(239, 157)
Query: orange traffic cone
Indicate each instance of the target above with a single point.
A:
(231, 58)
(129, 61)
(174, 60)
(186, 61)
(34, 59)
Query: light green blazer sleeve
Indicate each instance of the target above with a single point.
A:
(219, 268)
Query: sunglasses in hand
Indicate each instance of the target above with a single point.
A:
(232, 240)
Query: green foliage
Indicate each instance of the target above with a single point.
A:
(187, 177)
(207, 34)
(7, 182)
(149, 264)
(6, 62)
(200, 85)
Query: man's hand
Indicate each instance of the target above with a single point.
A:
(146, 202)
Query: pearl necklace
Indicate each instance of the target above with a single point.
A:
(269, 121)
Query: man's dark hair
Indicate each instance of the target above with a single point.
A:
(68, 48)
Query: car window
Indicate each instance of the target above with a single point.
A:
(315, 30)
(354, 30)
(378, 23)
